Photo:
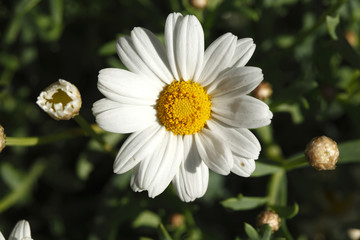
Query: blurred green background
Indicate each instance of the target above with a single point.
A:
(309, 53)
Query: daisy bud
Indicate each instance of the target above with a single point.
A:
(21, 231)
(322, 153)
(199, 4)
(2, 138)
(352, 38)
(353, 233)
(269, 217)
(263, 91)
(61, 100)
(177, 220)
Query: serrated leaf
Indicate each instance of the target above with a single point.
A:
(243, 203)
(332, 23)
(286, 211)
(251, 232)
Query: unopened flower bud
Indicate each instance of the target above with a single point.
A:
(61, 100)
(353, 233)
(352, 38)
(21, 231)
(177, 220)
(263, 91)
(199, 4)
(269, 217)
(322, 153)
(2, 138)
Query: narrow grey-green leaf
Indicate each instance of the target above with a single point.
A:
(349, 151)
(251, 232)
(263, 169)
(286, 211)
(243, 203)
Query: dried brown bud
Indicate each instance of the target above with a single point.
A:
(2, 138)
(322, 153)
(263, 91)
(61, 100)
(199, 4)
(269, 217)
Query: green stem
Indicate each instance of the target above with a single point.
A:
(302, 36)
(274, 187)
(20, 192)
(165, 232)
(37, 140)
(90, 131)
(295, 162)
(33, 141)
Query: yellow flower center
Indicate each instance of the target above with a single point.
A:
(183, 107)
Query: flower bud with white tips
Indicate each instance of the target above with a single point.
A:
(269, 217)
(322, 153)
(61, 100)
(21, 231)
(2, 138)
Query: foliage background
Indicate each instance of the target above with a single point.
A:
(66, 189)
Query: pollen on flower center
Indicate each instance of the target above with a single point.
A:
(183, 107)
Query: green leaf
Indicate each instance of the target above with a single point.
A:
(263, 169)
(286, 211)
(266, 232)
(251, 232)
(349, 151)
(147, 219)
(108, 49)
(11, 175)
(243, 203)
(84, 167)
(332, 23)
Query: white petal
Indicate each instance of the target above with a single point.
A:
(156, 171)
(123, 118)
(214, 152)
(242, 80)
(126, 87)
(20, 231)
(241, 111)
(217, 57)
(241, 141)
(152, 52)
(136, 147)
(192, 179)
(133, 61)
(1, 236)
(184, 40)
(169, 166)
(242, 166)
(171, 23)
(245, 48)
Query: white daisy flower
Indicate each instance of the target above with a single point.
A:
(21, 231)
(188, 110)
